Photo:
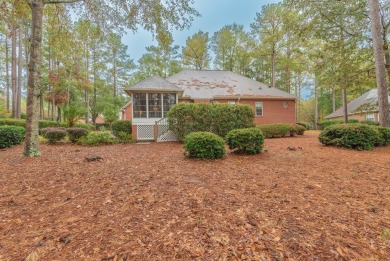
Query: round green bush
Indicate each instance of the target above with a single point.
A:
(97, 138)
(384, 134)
(121, 126)
(53, 134)
(297, 129)
(204, 145)
(352, 136)
(75, 134)
(249, 140)
(11, 135)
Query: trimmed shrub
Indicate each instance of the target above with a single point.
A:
(204, 145)
(89, 127)
(121, 126)
(11, 135)
(374, 123)
(53, 134)
(124, 137)
(276, 129)
(105, 126)
(97, 138)
(326, 123)
(384, 136)
(48, 124)
(297, 130)
(218, 118)
(305, 125)
(13, 122)
(75, 134)
(352, 136)
(249, 140)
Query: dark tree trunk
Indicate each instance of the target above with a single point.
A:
(34, 84)
(380, 71)
(345, 103)
(315, 104)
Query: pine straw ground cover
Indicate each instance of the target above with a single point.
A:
(148, 202)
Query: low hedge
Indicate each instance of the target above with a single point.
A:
(204, 145)
(105, 126)
(305, 125)
(11, 135)
(280, 130)
(248, 141)
(13, 122)
(121, 126)
(326, 123)
(374, 123)
(218, 118)
(75, 134)
(53, 134)
(97, 138)
(354, 136)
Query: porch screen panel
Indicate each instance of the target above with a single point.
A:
(139, 105)
(155, 110)
(169, 99)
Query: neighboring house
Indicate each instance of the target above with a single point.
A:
(365, 107)
(153, 97)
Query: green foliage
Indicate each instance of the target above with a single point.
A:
(326, 123)
(100, 126)
(384, 136)
(84, 126)
(75, 133)
(72, 114)
(48, 124)
(249, 140)
(374, 123)
(195, 53)
(305, 125)
(218, 118)
(204, 145)
(11, 135)
(276, 129)
(352, 136)
(110, 114)
(121, 126)
(97, 138)
(297, 129)
(53, 134)
(13, 122)
(124, 137)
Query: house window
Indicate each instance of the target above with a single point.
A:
(169, 99)
(154, 102)
(370, 117)
(139, 105)
(152, 105)
(259, 109)
(231, 102)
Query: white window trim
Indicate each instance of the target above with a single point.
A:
(262, 109)
(370, 118)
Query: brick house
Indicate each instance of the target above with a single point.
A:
(365, 107)
(153, 97)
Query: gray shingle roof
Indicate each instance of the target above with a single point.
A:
(366, 102)
(203, 84)
(154, 83)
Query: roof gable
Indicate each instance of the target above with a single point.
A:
(154, 83)
(365, 102)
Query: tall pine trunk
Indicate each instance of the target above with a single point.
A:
(13, 72)
(315, 103)
(380, 71)
(7, 74)
(20, 71)
(34, 85)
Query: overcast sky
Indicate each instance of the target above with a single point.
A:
(214, 15)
